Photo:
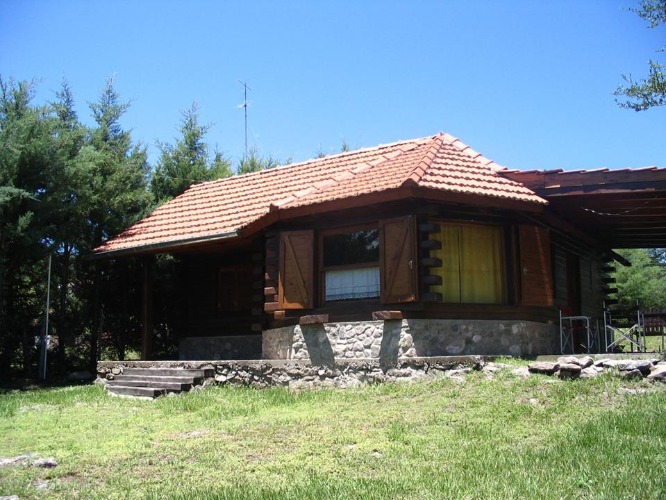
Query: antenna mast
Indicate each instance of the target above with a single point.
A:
(246, 88)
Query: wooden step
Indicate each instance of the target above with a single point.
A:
(203, 372)
(168, 386)
(157, 379)
(154, 382)
(142, 392)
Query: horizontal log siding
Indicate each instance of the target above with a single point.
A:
(594, 266)
(205, 318)
(271, 276)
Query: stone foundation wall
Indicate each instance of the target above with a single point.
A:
(306, 375)
(391, 340)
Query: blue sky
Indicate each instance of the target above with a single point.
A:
(526, 83)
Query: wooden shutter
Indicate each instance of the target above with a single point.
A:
(398, 267)
(535, 266)
(296, 270)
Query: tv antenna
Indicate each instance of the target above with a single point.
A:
(244, 106)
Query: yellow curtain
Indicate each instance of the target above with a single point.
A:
(471, 264)
(480, 265)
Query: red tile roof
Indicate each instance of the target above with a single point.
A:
(223, 208)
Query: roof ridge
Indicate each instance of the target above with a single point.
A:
(417, 173)
(356, 151)
(346, 175)
(464, 148)
(269, 171)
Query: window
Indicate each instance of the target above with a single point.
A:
(234, 289)
(350, 265)
(472, 264)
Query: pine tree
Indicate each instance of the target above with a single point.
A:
(254, 162)
(187, 161)
(24, 154)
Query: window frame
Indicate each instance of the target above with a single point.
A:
(322, 270)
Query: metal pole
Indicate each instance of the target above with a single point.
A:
(45, 338)
(246, 88)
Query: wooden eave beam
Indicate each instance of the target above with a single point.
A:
(556, 222)
(559, 179)
(403, 193)
(558, 191)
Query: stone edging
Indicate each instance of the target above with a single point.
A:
(349, 373)
(304, 374)
(568, 367)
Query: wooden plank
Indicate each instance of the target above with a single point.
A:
(432, 297)
(270, 290)
(431, 262)
(428, 227)
(430, 245)
(257, 257)
(313, 319)
(272, 306)
(296, 290)
(431, 279)
(398, 260)
(387, 315)
(147, 309)
(535, 266)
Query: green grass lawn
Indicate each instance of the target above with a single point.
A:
(502, 438)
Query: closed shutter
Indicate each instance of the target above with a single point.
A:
(535, 266)
(296, 270)
(398, 265)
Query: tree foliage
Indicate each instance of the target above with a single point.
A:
(64, 189)
(644, 283)
(254, 162)
(187, 161)
(650, 91)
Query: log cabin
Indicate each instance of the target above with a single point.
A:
(421, 247)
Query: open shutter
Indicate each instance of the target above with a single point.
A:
(398, 260)
(296, 270)
(535, 266)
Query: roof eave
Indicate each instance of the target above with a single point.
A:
(164, 246)
(406, 191)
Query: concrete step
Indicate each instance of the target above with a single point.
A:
(168, 386)
(202, 373)
(142, 392)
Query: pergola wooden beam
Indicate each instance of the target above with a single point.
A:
(147, 309)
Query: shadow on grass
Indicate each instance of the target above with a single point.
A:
(33, 384)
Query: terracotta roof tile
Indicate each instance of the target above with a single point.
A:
(224, 207)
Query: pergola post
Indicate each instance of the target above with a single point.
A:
(147, 309)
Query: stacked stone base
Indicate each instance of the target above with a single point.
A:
(350, 373)
(390, 340)
(571, 367)
(304, 374)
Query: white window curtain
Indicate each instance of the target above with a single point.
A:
(352, 283)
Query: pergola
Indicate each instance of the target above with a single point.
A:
(622, 208)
